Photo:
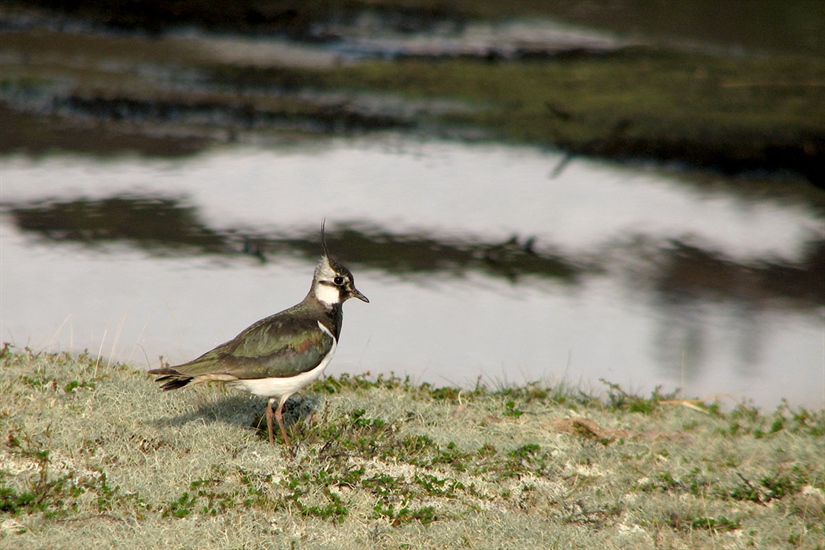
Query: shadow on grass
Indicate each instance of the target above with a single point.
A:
(243, 411)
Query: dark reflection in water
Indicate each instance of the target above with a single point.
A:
(420, 254)
(689, 273)
(161, 225)
(690, 281)
(680, 339)
(146, 222)
(683, 276)
(684, 337)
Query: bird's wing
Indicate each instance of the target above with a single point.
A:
(273, 347)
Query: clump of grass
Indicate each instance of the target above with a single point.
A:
(95, 455)
(617, 398)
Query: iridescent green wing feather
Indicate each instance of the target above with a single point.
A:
(273, 347)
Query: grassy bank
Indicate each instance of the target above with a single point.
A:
(95, 455)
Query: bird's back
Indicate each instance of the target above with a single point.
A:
(285, 344)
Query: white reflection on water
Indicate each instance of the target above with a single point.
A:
(445, 329)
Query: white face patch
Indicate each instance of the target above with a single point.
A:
(326, 292)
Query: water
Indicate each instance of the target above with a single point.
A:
(477, 263)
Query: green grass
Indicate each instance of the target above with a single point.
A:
(96, 456)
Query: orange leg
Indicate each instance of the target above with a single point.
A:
(269, 419)
(279, 416)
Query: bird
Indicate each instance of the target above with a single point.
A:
(280, 354)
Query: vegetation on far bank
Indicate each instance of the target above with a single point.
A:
(722, 111)
(704, 110)
(94, 454)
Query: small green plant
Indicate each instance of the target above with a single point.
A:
(721, 523)
(414, 449)
(435, 486)
(618, 398)
(511, 410)
(526, 451)
(808, 422)
(13, 502)
(299, 486)
(382, 485)
(216, 501)
(770, 487)
(40, 382)
(181, 507)
(425, 515)
(334, 510)
(359, 421)
(75, 385)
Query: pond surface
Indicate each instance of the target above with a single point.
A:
(480, 260)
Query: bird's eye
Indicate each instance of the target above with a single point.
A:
(338, 280)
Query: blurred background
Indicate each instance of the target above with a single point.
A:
(580, 192)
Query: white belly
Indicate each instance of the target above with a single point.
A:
(286, 386)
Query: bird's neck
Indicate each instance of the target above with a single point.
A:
(334, 319)
(330, 312)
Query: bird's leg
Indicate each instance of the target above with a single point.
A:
(279, 416)
(269, 419)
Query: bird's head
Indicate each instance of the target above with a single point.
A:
(333, 283)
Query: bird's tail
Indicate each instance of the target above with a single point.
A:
(171, 378)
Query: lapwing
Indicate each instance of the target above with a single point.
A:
(278, 355)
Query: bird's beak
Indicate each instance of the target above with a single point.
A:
(357, 294)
